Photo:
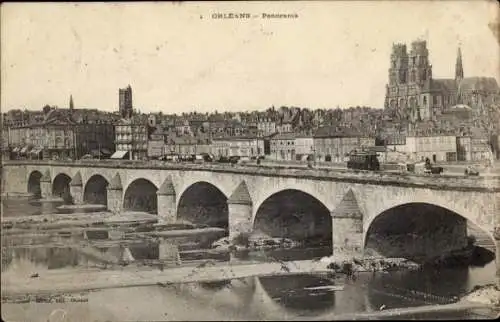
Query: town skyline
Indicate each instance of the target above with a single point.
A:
(228, 65)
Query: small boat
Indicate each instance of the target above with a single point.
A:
(326, 287)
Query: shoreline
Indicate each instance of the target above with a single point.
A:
(87, 280)
(402, 312)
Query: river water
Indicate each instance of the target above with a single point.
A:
(269, 297)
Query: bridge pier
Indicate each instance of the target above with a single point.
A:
(347, 228)
(168, 252)
(496, 236)
(115, 193)
(46, 185)
(76, 189)
(166, 202)
(240, 211)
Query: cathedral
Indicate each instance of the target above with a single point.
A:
(414, 95)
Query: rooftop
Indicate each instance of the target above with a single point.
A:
(336, 131)
(285, 136)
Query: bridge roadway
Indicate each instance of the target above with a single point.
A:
(356, 203)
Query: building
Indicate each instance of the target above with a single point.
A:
(131, 139)
(237, 146)
(96, 139)
(304, 146)
(412, 93)
(481, 149)
(5, 140)
(187, 145)
(266, 126)
(284, 127)
(391, 147)
(59, 136)
(333, 144)
(438, 148)
(464, 148)
(283, 146)
(125, 102)
(183, 127)
(495, 142)
(156, 142)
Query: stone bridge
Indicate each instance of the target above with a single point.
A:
(390, 213)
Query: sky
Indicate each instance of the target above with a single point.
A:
(177, 58)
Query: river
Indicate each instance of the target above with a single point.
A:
(271, 297)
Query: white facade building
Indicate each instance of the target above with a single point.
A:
(237, 146)
(439, 148)
(304, 145)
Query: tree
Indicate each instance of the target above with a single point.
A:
(46, 109)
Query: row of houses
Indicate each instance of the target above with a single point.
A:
(330, 145)
(60, 136)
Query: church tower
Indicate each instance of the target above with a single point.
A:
(420, 70)
(125, 101)
(71, 105)
(459, 71)
(398, 70)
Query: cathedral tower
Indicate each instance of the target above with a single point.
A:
(398, 70)
(420, 71)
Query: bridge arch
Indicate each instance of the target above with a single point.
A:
(297, 215)
(61, 187)
(417, 230)
(34, 183)
(95, 191)
(474, 207)
(140, 195)
(259, 193)
(205, 204)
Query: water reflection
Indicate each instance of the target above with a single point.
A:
(300, 293)
(296, 295)
(25, 207)
(42, 257)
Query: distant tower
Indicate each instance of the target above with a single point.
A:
(420, 69)
(125, 101)
(398, 74)
(71, 105)
(459, 70)
(398, 70)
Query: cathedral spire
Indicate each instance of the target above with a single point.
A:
(459, 71)
(71, 105)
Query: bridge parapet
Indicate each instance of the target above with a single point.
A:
(439, 182)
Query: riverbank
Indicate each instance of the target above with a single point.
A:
(404, 313)
(15, 283)
(487, 295)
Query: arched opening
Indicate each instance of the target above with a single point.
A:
(95, 191)
(60, 187)
(424, 233)
(34, 184)
(141, 196)
(298, 216)
(204, 204)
